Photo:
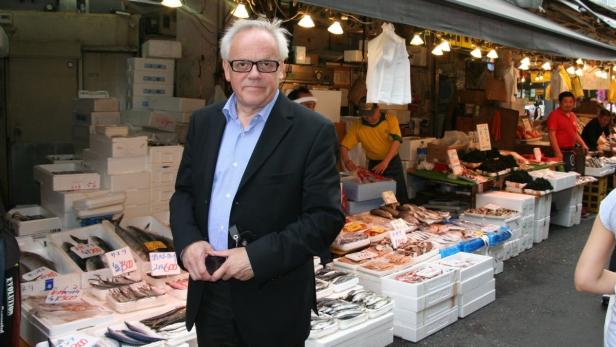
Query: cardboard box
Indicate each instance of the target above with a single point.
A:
(177, 116)
(112, 130)
(98, 118)
(57, 177)
(169, 103)
(353, 56)
(138, 103)
(150, 76)
(161, 49)
(150, 89)
(124, 182)
(163, 176)
(438, 153)
(114, 166)
(150, 119)
(410, 145)
(137, 196)
(166, 155)
(328, 103)
(87, 106)
(150, 64)
(119, 147)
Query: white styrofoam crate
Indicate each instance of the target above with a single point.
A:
(63, 159)
(57, 177)
(357, 207)
(527, 225)
(477, 292)
(50, 223)
(131, 211)
(151, 64)
(546, 229)
(598, 171)
(161, 194)
(367, 191)
(417, 304)
(525, 204)
(166, 155)
(512, 222)
(415, 290)
(578, 214)
(565, 217)
(149, 119)
(471, 284)
(98, 118)
(61, 203)
(480, 263)
(414, 335)
(114, 166)
(542, 227)
(119, 147)
(578, 194)
(162, 49)
(158, 208)
(87, 106)
(543, 205)
(559, 180)
(471, 307)
(418, 319)
(120, 183)
(137, 196)
(163, 177)
(138, 103)
(169, 103)
(527, 241)
(149, 223)
(410, 145)
(150, 89)
(377, 332)
(150, 76)
(499, 267)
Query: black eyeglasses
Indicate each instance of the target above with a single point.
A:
(266, 66)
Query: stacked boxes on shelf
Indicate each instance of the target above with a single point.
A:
(122, 164)
(163, 164)
(148, 77)
(90, 112)
(543, 207)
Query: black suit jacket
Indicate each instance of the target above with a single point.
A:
(289, 197)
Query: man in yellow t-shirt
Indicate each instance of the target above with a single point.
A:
(379, 134)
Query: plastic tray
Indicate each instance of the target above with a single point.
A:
(414, 290)
(348, 247)
(314, 334)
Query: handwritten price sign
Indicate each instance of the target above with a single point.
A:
(164, 263)
(62, 296)
(120, 261)
(42, 273)
(398, 234)
(87, 250)
(77, 340)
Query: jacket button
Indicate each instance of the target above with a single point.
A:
(237, 203)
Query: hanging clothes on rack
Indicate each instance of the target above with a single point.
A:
(577, 90)
(566, 84)
(389, 70)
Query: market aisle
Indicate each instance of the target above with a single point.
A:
(536, 303)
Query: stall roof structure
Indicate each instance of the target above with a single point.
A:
(497, 21)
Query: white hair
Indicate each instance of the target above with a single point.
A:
(279, 33)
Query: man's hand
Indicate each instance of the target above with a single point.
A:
(350, 165)
(380, 167)
(236, 266)
(193, 258)
(558, 156)
(586, 149)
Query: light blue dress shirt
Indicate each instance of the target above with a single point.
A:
(234, 153)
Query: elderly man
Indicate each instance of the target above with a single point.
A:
(562, 129)
(257, 197)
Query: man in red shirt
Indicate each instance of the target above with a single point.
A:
(563, 131)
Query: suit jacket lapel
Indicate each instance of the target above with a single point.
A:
(275, 129)
(213, 137)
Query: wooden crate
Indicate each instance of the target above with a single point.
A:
(594, 193)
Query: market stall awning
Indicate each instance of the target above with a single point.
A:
(497, 21)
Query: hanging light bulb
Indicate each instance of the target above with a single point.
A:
(523, 80)
(445, 46)
(525, 61)
(571, 70)
(335, 28)
(579, 61)
(579, 72)
(306, 22)
(417, 40)
(546, 66)
(492, 54)
(240, 11)
(523, 67)
(172, 3)
(476, 53)
(437, 50)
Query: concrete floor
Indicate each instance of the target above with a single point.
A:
(536, 302)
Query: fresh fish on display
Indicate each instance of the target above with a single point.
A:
(66, 247)
(381, 213)
(153, 242)
(392, 211)
(321, 324)
(320, 285)
(180, 284)
(144, 337)
(169, 320)
(30, 261)
(329, 275)
(123, 338)
(343, 279)
(133, 241)
(88, 264)
(64, 312)
(134, 292)
(99, 282)
(419, 275)
(348, 314)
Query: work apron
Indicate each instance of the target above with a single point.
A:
(574, 159)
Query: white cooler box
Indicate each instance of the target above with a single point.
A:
(523, 203)
(64, 177)
(49, 222)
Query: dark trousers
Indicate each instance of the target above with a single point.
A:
(216, 326)
(395, 172)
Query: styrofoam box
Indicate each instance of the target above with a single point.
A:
(328, 103)
(161, 194)
(527, 241)
(137, 197)
(419, 319)
(497, 252)
(440, 322)
(523, 203)
(114, 166)
(62, 158)
(481, 264)
(559, 180)
(513, 222)
(51, 175)
(159, 208)
(473, 283)
(98, 118)
(87, 106)
(499, 267)
(598, 171)
(149, 223)
(578, 215)
(138, 103)
(50, 223)
(356, 207)
(377, 332)
(151, 64)
(112, 130)
(477, 292)
(150, 89)
(61, 203)
(417, 304)
(540, 229)
(81, 132)
(177, 116)
(169, 103)
(565, 217)
(367, 191)
(543, 205)
(150, 76)
(120, 183)
(70, 220)
(578, 194)
(415, 290)
(410, 145)
(131, 211)
(119, 147)
(162, 49)
(165, 155)
(474, 306)
(528, 224)
(149, 119)
(163, 176)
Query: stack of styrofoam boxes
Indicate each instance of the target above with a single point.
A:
(408, 154)
(543, 206)
(366, 196)
(122, 163)
(176, 110)
(59, 189)
(92, 112)
(475, 284)
(423, 308)
(163, 164)
(44, 223)
(567, 206)
(148, 78)
(524, 204)
(511, 247)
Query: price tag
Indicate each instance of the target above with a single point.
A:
(389, 197)
(398, 234)
(483, 133)
(537, 152)
(362, 255)
(120, 261)
(527, 125)
(77, 340)
(87, 250)
(42, 273)
(62, 296)
(453, 157)
(164, 263)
